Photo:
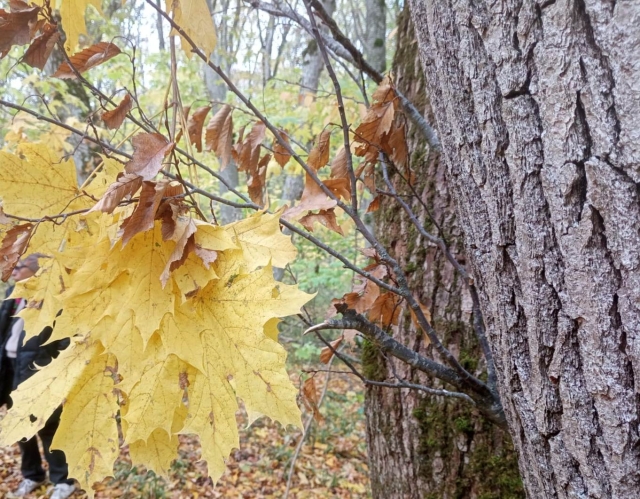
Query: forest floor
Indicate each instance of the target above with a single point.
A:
(332, 462)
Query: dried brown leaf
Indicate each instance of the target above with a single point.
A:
(376, 125)
(256, 180)
(339, 168)
(313, 198)
(340, 187)
(86, 59)
(114, 118)
(327, 353)
(142, 218)
(280, 153)
(325, 217)
(374, 205)
(311, 399)
(126, 184)
(17, 26)
(367, 292)
(319, 154)
(206, 255)
(396, 145)
(40, 49)
(249, 153)
(195, 124)
(386, 309)
(215, 127)
(13, 246)
(385, 91)
(183, 235)
(149, 151)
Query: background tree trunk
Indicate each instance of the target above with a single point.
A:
(375, 34)
(420, 446)
(538, 108)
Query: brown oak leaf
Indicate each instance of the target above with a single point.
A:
(114, 118)
(149, 151)
(126, 184)
(17, 26)
(40, 49)
(195, 124)
(86, 59)
(13, 246)
(319, 154)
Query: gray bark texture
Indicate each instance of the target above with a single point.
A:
(538, 110)
(419, 446)
(375, 34)
(312, 63)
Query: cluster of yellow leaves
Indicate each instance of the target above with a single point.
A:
(168, 347)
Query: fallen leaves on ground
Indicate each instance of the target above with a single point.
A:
(331, 464)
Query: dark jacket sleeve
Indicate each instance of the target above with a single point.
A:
(33, 354)
(6, 373)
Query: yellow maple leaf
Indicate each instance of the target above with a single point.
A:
(72, 15)
(39, 172)
(88, 434)
(194, 18)
(209, 334)
(261, 241)
(36, 399)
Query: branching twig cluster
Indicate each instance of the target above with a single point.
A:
(339, 48)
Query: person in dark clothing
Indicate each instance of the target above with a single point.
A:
(19, 360)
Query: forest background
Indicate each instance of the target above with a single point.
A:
(519, 216)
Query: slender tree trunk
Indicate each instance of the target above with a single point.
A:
(217, 91)
(312, 63)
(538, 109)
(375, 34)
(421, 446)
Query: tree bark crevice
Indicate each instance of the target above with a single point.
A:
(538, 112)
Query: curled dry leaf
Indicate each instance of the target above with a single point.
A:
(311, 399)
(327, 353)
(371, 253)
(183, 233)
(256, 180)
(126, 184)
(366, 293)
(13, 246)
(249, 151)
(195, 124)
(385, 91)
(374, 205)
(325, 217)
(313, 198)
(206, 255)
(340, 187)
(280, 153)
(142, 218)
(40, 49)
(339, 164)
(17, 26)
(219, 135)
(114, 118)
(386, 309)
(396, 145)
(86, 59)
(319, 154)
(149, 151)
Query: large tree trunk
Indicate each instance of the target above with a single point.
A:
(538, 109)
(420, 446)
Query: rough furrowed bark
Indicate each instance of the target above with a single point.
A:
(422, 446)
(538, 110)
